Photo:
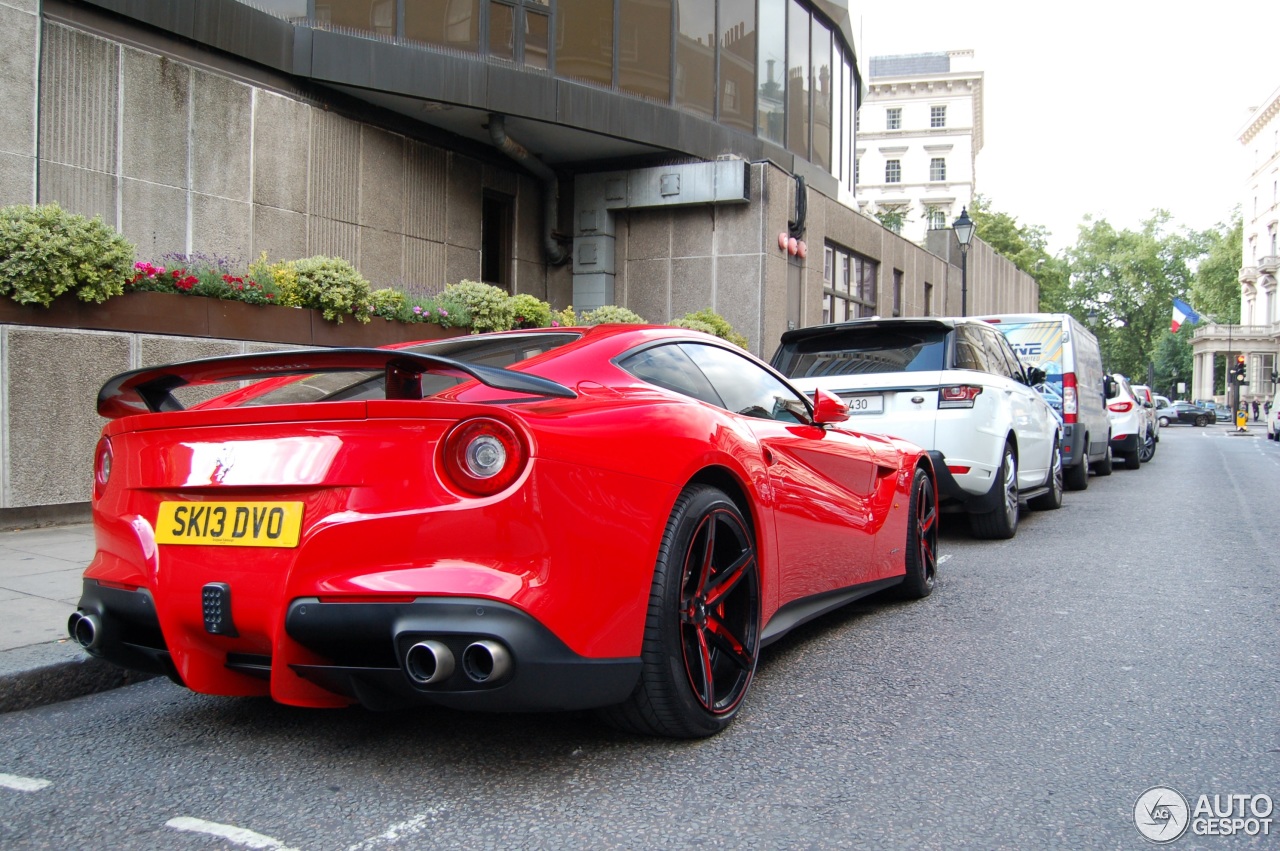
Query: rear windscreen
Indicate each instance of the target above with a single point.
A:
(864, 352)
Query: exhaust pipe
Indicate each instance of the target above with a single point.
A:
(486, 660)
(85, 629)
(428, 662)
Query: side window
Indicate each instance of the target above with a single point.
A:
(670, 368)
(969, 351)
(996, 361)
(746, 388)
(1016, 366)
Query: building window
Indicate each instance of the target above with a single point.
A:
(737, 63)
(644, 49)
(928, 299)
(937, 116)
(893, 171)
(893, 118)
(849, 288)
(937, 220)
(937, 169)
(496, 226)
(897, 292)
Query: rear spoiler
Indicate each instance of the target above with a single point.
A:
(150, 390)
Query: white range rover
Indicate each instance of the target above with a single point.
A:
(956, 388)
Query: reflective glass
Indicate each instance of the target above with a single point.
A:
(797, 80)
(502, 31)
(377, 16)
(644, 48)
(771, 71)
(584, 40)
(696, 55)
(820, 84)
(451, 23)
(738, 64)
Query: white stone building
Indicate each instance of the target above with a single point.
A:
(1257, 336)
(919, 133)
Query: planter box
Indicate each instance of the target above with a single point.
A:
(196, 316)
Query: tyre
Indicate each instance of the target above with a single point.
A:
(1103, 467)
(922, 540)
(1132, 460)
(1002, 521)
(1164, 422)
(1076, 478)
(1202, 421)
(1147, 449)
(702, 630)
(1052, 500)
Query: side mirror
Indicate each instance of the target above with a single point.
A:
(1110, 387)
(827, 408)
(1036, 375)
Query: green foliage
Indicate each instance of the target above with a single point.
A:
(611, 314)
(46, 251)
(388, 304)
(489, 308)
(1215, 292)
(892, 219)
(334, 287)
(564, 318)
(530, 312)
(712, 323)
(1127, 280)
(282, 275)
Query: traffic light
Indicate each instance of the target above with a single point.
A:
(1240, 374)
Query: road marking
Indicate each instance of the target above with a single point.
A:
(944, 559)
(403, 830)
(236, 835)
(23, 784)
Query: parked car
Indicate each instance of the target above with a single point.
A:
(1069, 354)
(953, 386)
(1147, 399)
(1162, 401)
(1273, 418)
(1184, 412)
(616, 517)
(1221, 413)
(1131, 437)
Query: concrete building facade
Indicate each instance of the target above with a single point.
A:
(919, 135)
(531, 144)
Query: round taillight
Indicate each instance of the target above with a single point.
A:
(101, 466)
(483, 456)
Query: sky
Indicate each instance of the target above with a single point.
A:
(1110, 109)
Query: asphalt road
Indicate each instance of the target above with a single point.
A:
(1127, 641)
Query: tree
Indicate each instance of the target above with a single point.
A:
(1026, 246)
(1216, 289)
(1125, 281)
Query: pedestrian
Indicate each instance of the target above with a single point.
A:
(1255, 410)
(1266, 408)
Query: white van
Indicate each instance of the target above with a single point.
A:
(1069, 354)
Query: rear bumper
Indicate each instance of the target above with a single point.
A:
(950, 491)
(356, 653)
(1125, 443)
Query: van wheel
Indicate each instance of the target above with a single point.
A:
(1103, 467)
(1002, 521)
(1076, 478)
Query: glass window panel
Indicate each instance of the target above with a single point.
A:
(837, 115)
(771, 71)
(820, 85)
(452, 23)
(849, 92)
(797, 80)
(644, 48)
(696, 55)
(288, 8)
(737, 63)
(502, 31)
(584, 40)
(537, 39)
(377, 16)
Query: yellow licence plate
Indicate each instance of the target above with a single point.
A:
(231, 524)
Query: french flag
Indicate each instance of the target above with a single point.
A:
(1182, 312)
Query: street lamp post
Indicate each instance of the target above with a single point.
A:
(963, 227)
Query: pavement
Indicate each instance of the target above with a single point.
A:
(40, 570)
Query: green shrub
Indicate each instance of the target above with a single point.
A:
(334, 287)
(612, 314)
(282, 276)
(390, 304)
(530, 311)
(713, 323)
(46, 251)
(487, 307)
(564, 318)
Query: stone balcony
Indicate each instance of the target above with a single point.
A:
(1267, 265)
(1248, 274)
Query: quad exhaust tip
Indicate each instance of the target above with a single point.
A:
(486, 660)
(429, 662)
(85, 629)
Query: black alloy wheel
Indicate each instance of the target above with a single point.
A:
(1202, 421)
(1052, 500)
(702, 633)
(922, 540)
(1147, 448)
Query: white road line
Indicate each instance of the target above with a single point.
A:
(944, 559)
(236, 835)
(23, 784)
(404, 830)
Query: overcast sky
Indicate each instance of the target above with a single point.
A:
(1106, 108)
